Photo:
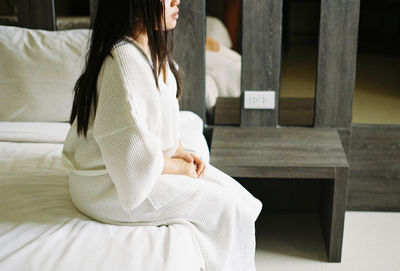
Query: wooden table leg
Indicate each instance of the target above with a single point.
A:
(332, 212)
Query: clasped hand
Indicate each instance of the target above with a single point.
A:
(189, 164)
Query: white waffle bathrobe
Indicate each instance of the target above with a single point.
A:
(116, 171)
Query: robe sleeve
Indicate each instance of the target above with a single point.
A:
(131, 152)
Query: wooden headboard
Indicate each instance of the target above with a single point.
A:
(261, 57)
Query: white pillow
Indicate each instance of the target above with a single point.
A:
(38, 71)
(217, 30)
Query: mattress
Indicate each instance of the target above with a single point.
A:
(40, 229)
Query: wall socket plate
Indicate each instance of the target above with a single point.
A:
(259, 99)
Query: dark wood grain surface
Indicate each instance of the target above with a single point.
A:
(36, 14)
(93, 10)
(292, 111)
(374, 177)
(332, 213)
(274, 152)
(227, 111)
(9, 20)
(336, 63)
(261, 61)
(344, 134)
(190, 54)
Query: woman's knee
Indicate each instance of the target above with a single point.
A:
(228, 202)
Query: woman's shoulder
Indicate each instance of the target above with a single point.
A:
(128, 48)
(129, 60)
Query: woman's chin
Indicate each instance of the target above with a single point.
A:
(171, 25)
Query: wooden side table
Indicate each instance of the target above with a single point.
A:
(306, 153)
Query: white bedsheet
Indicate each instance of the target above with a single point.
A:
(40, 229)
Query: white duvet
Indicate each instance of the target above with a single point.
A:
(40, 229)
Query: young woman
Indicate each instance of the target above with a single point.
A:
(127, 162)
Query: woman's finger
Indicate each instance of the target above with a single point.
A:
(199, 163)
(196, 158)
(200, 169)
(188, 158)
(203, 170)
(184, 156)
(194, 173)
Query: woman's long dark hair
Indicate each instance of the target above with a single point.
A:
(115, 20)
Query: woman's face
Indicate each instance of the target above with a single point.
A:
(171, 13)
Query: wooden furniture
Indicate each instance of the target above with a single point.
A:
(261, 57)
(305, 153)
(227, 111)
(292, 111)
(36, 14)
(374, 176)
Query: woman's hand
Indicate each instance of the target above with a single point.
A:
(183, 163)
(180, 165)
(192, 158)
(200, 165)
(185, 168)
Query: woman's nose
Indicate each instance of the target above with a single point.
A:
(177, 2)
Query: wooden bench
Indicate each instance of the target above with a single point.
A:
(298, 153)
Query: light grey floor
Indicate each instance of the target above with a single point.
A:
(371, 242)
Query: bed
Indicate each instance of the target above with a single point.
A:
(40, 229)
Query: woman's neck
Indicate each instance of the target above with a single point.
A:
(143, 41)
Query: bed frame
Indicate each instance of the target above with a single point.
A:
(373, 151)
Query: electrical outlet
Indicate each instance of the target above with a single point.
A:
(259, 99)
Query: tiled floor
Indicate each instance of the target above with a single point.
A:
(294, 242)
